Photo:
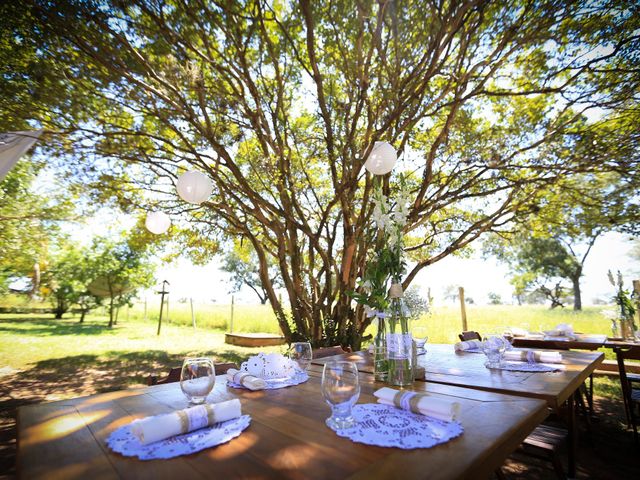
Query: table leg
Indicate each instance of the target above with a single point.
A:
(591, 395)
(573, 434)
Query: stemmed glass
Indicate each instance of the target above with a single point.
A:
(341, 389)
(301, 353)
(493, 346)
(419, 334)
(508, 336)
(197, 378)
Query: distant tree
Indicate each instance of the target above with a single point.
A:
(29, 223)
(120, 269)
(552, 243)
(243, 265)
(416, 303)
(67, 278)
(494, 298)
(451, 293)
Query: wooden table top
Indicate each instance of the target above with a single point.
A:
(287, 437)
(583, 341)
(620, 343)
(443, 365)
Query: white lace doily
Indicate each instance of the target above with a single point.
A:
(272, 384)
(527, 367)
(124, 442)
(387, 426)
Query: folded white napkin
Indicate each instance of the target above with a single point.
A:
(468, 345)
(519, 332)
(533, 356)
(421, 403)
(246, 379)
(154, 429)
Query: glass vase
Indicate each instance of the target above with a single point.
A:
(399, 341)
(380, 364)
(626, 329)
(615, 330)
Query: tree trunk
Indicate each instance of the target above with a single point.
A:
(577, 296)
(60, 309)
(111, 312)
(83, 312)
(35, 287)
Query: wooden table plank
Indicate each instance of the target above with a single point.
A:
(287, 438)
(47, 432)
(584, 341)
(443, 365)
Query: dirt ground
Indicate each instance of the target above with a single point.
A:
(607, 451)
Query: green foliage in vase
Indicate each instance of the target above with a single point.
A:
(622, 298)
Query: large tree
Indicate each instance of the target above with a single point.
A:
(280, 103)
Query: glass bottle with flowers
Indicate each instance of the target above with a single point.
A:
(386, 264)
(626, 309)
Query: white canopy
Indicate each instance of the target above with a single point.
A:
(12, 146)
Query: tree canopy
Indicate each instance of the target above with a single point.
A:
(280, 102)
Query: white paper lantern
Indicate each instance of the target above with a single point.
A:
(381, 159)
(194, 187)
(157, 222)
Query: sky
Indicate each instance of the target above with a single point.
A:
(478, 276)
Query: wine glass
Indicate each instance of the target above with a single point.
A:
(493, 346)
(507, 334)
(419, 334)
(197, 378)
(341, 389)
(301, 353)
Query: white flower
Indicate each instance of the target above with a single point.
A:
(611, 280)
(366, 286)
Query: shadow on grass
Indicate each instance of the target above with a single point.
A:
(43, 326)
(79, 375)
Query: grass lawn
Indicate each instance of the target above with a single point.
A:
(46, 359)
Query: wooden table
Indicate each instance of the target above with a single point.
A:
(617, 342)
(443, 365)
(287, 437)
(583, 341)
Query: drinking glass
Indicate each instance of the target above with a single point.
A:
(301, 353)
(507, 334)
(420, 337)
(341, 389)
(197, 378)
(493, 346)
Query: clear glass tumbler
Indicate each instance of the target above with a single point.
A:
(493, 346)
(301, 353)
(341, 390)
(197, 378)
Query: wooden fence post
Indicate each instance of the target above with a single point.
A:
(463, 310)
(193, 317)
(231, 322)
(636, 291)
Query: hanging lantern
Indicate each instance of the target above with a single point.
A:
(381, 159)
(194, 187)
(157, 222)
